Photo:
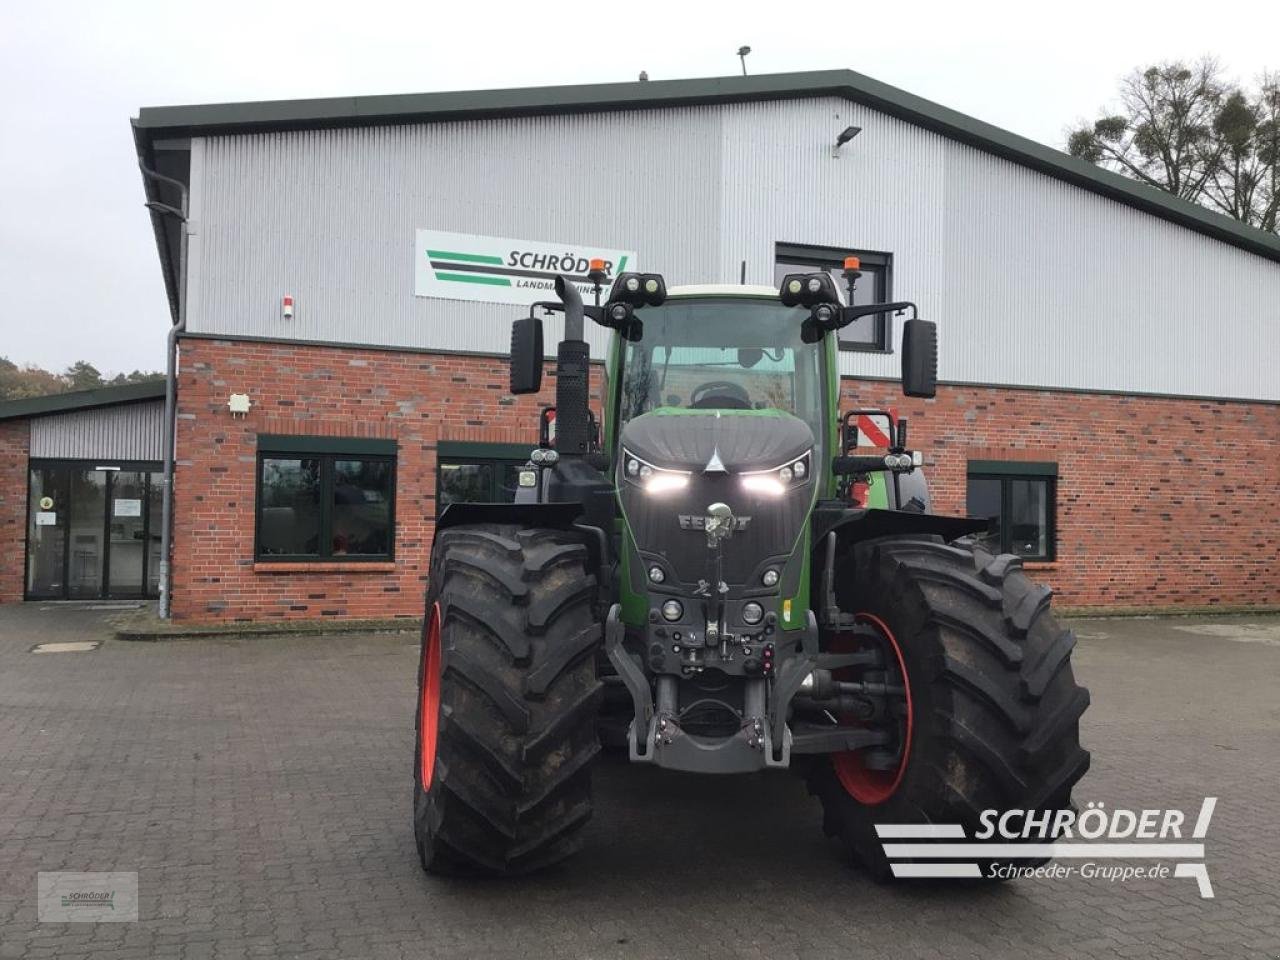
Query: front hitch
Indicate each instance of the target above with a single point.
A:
(763, 739)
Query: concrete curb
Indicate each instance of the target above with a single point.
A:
(151, 628)
(1119, 613)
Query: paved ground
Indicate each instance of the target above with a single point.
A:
(261, 789)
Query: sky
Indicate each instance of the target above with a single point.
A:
(79, 274)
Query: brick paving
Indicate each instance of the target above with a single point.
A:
(261, 789)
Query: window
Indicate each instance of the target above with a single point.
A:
(478, 472)
(1020, 501)
(325, 498)
(874, 286)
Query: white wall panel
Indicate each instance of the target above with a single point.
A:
(130, 431)
(329, 216)
(1032, 281)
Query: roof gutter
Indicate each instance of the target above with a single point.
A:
(150, 179)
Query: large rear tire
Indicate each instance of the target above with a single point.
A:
(507, 699)
(992, 711)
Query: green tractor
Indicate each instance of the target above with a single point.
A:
(726, 581)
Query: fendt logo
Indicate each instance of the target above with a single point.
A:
(1095, 836)
(690, 521)
(460, 266)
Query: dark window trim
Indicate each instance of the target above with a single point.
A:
(89, 463)
(280, 443)
(1007, 470)
(825, 258)
(1017, 468)
(337, 448)
(457, 449)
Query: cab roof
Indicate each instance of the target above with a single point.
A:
(723, 290)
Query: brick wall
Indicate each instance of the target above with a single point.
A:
(1160, 502)
(414, 399)
(14, 446)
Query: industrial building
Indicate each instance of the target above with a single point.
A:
(348, 269)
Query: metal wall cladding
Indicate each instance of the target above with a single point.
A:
(132, 431)
(1033, 282)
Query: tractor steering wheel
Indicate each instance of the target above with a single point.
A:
(723, 394)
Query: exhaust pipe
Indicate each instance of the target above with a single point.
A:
(573, 376)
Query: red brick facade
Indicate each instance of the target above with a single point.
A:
(414, 399)
(14, 446)
(1161, 502)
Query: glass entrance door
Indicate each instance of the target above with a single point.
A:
(47, 497)
(92, 532)
(85, 515)
(127, 534)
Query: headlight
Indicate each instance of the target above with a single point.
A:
(779, 480)
(752, 612)
(672, 610)
(650, 478)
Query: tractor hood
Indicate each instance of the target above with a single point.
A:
(738, 441)
(715, 449)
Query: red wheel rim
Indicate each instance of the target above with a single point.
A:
(867, 786)
(429, 725)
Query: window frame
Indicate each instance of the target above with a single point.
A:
(1007, 471)
(827, 258)
(327, 450)
(478, 453)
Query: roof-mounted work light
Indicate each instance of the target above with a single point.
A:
(639, 289)
(808, 289)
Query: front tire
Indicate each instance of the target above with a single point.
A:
(507, 698)
(993, 704)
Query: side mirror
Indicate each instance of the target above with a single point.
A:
(526, 355)
(919, 358)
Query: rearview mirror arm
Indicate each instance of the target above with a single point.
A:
(850, 314)
(555, 306)
(826, 318)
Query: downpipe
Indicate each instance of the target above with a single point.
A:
(170, 427)
(159, 209)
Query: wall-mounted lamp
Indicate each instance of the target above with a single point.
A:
(847, 134)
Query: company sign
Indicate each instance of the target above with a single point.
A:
(464, 266)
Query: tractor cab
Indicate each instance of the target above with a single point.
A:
(723, 350)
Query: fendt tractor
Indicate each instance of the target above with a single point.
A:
(719, 576)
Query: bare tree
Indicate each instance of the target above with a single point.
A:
(1185, 129)
(1164, 135)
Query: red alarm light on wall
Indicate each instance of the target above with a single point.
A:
(286, 308)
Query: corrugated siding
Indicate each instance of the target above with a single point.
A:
(329, 216)
(1032, 281)
(132, 431)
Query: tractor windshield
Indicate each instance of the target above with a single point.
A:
(723, 354)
